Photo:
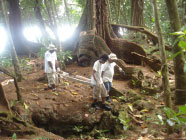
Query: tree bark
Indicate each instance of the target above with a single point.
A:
(137, 12)
(164, 67)
(16, 27)
(121, 47)
(67, 12)
(15, 59)
(180, 75)
(40, 18)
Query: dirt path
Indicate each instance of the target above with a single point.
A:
(71, 101)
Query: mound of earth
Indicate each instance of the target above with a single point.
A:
(67, 111)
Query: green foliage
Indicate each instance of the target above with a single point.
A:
(12, 103)
(14, 136)
(181, 40)
(101, 134)
(176, 119)
(64, 57)
(5, 61)
(78, 129)
(42, 51)
(24, 64)
(124, 120)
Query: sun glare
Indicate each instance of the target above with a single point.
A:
(3, 37)
(32, 33)
(65, 32)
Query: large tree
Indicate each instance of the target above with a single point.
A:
(137, 7)
(16, 26)
(22, 46)
(99, 37)
(180, 75)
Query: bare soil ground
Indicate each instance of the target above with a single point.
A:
(72, 98)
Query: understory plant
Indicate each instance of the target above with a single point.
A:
(177, 120)
(181, 40)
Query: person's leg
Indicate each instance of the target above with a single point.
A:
(95, 103)
(104, 95)
(108, 87)
(49, 77)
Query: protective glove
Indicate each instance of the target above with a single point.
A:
(120, 70)
(123, 73)
(58, 69)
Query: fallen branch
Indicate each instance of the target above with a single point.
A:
(19, 97)
(4, 102)
(155, 64)
(143, 30)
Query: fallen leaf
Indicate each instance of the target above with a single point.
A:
(144, 110)
(66, 83)
(114, 100)
(25, 106)
(55, 93)
(130, 107)
(143, 126)
(138, 116)
(74, 93)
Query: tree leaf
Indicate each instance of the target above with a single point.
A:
(178, 33)
(55, 93)
(14, 136)
(182, 44)
(25, 106)
(130, 107)
(182, 109)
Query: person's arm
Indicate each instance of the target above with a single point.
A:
(50, 64)
(94, 76)
(120, 69)
(102, 74)
(48, 60)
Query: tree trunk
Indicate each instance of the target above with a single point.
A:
(40, 18)
(15, 59)
(67, 12)
(121, 47)
(180, 75)
(137, 12)
(16, 27)
(164, 66)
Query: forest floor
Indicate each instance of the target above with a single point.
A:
(67, 112)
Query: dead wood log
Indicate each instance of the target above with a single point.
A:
(155, 64)
(124, 49)
(129, 70)
(153, 36)
(4, 104)
(19, 97)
